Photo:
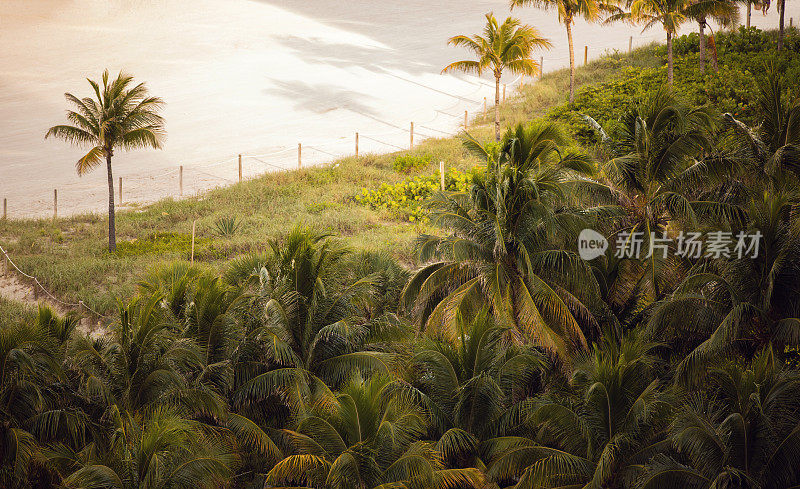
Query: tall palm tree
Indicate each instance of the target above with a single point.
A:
(508, 46)
(508, 246)
(669, 13)
(122, 116)
(567, 11)
(724, 12)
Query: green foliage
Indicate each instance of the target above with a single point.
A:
(170, 244)
(743, 56)
(503, 361)
(227, 226)
(410, 163)
(405, 199)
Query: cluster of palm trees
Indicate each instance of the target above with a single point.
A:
(506, 360)
(508, 47)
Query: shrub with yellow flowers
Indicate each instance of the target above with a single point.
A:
(406, 198)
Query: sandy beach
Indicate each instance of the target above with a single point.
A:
(245, 77)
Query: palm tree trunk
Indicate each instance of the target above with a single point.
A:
(568, 22)
(702, 23)
(749, 7)
(112, 229)
(669, 58)
(782, 6)
(497, 107)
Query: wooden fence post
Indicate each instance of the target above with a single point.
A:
(356, 145)
(441, 175)
(180, 181)
(120, 190)
(299, 155)
(630, 44)
(465, 120)
(585, 55)
(55, 203)
(541, 67)
(411, 141)
(484, 109)
(240, 168)
(5, 208)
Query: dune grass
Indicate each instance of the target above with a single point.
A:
(69, 255)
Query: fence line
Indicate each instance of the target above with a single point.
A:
(333, 145)
(79, 304)
(462, 100)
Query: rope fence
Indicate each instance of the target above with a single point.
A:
(37, 285)
(137, 188)
(277, 160)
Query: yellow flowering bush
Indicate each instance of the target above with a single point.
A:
(405, 199)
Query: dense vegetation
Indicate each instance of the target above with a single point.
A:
(503, 359)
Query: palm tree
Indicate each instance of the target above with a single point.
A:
(120, 117)
(567, 11)
(31, 396)
(781, 34)
(669, 13)
(724, 12)
(769, 150)
(508, 246)
(468, 383)
(741, 429)
(502, 47)
(161, 450)
(366, 437)
(746, 302)
(652, 185)
(594, 432)
(312, 303)
(742, 303)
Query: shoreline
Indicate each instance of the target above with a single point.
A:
(324, 90)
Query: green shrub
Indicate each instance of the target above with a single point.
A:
(409, 163)
(227, 226)
(405, 199)
(743, 55)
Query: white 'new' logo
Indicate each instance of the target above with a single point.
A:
(591, 244)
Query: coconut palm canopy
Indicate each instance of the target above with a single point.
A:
(506, 47)
(498, 354)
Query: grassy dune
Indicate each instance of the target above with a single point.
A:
(69, 255)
